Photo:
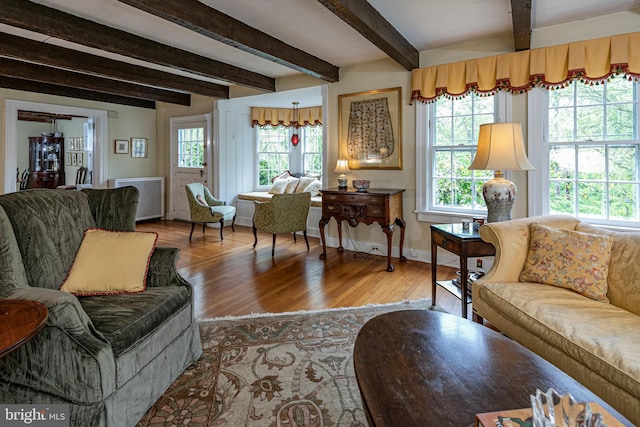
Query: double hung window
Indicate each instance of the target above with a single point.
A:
(447, 134)
(589, 156)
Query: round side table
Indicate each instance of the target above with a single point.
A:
(20, 320)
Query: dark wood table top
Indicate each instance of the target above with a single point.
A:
(20, 320)
(425, 368)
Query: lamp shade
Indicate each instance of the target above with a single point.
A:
(342, 166)
(501, 147)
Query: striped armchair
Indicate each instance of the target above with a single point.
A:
(286, 213)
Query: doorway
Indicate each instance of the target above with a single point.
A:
(190, 160)
(98, 139)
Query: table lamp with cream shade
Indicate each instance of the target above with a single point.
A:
(500, 148)
(342, 167)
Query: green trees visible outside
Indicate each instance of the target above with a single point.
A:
(457, 122)
(191, 147)
(593, 151)
(276, 154)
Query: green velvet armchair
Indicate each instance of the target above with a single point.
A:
(205, 208)
(286, 213)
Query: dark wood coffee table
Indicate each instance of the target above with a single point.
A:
(19, 321)
(425, 368)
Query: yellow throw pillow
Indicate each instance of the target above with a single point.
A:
(569, 259)
(110, 262)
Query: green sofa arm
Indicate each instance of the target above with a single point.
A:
(162, 268)
(68, 357)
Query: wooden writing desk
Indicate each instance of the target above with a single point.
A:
(383, 206)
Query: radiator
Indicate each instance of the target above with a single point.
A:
(151, 200)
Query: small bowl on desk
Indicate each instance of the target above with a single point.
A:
(361, 184)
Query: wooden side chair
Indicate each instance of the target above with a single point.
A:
(206, 209)
(81, 178)
(23, 180)
(286, 213)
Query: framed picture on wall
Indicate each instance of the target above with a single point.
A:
(122, 146)
(370, 134)
(138, 147)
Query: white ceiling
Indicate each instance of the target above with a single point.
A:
(308, 25)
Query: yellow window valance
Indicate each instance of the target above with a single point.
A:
(264, 116)
(588, 61)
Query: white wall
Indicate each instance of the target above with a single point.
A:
(130, 122)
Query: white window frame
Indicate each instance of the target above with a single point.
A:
(296, 155)
(424, 162)
(538, 180)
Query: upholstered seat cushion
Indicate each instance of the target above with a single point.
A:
(263, 196)
(227, 212)
(125, 319)
(602, 337)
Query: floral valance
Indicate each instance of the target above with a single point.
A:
(588, 61)
(261, 116)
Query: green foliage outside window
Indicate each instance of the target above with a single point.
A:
(276, 154)
(593, 151)
(457, 123)
(191, 147)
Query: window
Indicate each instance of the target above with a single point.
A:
(447, 137)
(590, 161)
(276, 154)
(312, 144)
(191, 145)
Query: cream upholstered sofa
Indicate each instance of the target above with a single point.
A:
(595, 342)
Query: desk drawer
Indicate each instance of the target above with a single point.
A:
(359, 198)
(446, 243)
(376, 211)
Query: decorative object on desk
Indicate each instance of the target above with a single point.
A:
(369, 129)
(361, 184)
(500, 148)
(342, 167)
(121, 146)
(139, 147)
(295, 138)
(465, 224)
(552, 409)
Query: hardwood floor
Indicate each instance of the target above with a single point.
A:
(230, 278)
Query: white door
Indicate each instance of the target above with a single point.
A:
(189, 146)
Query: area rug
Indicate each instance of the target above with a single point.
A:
(284, 370)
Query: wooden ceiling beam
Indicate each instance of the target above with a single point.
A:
(521, 17)
(70, 92)
(365, 19)
(55, 23)
(56, 76)
(211, 23)
(47, 54)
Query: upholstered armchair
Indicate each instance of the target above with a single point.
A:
(286, 213)
(205, 208)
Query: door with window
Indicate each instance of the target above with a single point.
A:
(189, 146)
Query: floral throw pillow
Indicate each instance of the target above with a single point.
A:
(569, 259)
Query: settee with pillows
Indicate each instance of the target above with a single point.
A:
(570, 292)
(287, 182)
(120, 326)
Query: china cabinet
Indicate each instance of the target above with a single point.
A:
(46, 161)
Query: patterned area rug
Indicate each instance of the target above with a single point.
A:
(285, 370)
